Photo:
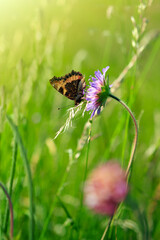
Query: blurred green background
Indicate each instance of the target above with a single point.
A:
(40, 39)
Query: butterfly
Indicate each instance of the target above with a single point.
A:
(71, 85)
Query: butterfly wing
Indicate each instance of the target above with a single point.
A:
(71, 85)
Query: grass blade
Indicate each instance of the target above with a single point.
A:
(14, 158)
(28, 172)
(10, 207)
(67, 213)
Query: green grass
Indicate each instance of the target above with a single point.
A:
(40, 39)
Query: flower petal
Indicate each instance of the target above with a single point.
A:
(99, 110)
(90, 106)
(94, 79)
(104, 70)
(99, 75)
(97, 86)
(93, 113)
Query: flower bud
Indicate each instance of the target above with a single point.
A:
(105, 188)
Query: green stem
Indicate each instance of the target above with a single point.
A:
(28, 172)
(86, 165)
(10, 207)
(89, 141)
(14, 158)
(136, 133)
(107, 228)
(85, 175)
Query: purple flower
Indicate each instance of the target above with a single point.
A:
(98, 92)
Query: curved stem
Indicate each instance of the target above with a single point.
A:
(136, 133)
(14, 159)
(28, 173)
(132, 151)
(10, 207)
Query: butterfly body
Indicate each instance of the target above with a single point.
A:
(71, 85)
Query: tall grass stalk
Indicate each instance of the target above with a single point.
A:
(85, 175)
(14, 158)
(29, 176)
(10, 207)
(87, 156)
(107, 228)
(146, 40)
(0, 224)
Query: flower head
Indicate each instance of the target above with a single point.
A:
(105, 188)
(98, 92)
